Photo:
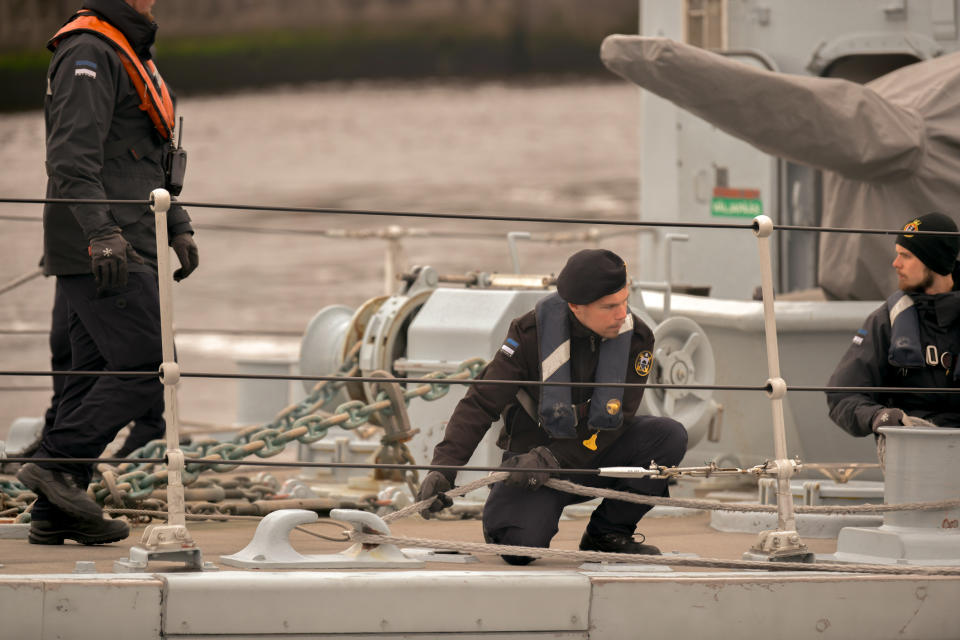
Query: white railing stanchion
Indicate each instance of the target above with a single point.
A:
(171, 541)
(784, 542)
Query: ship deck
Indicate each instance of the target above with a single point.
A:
(682, 534)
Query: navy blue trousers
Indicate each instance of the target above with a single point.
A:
(113, 330)
(524, 517)
(147, 427)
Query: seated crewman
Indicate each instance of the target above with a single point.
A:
(912, 340)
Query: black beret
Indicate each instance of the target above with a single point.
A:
(939, 253)
(590, 275)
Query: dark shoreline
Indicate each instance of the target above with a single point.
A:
(222, 63)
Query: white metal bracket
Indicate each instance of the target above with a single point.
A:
(140, 558)
(779, 546)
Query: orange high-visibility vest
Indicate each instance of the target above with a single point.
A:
(157, 104)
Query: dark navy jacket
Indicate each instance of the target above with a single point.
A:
(484, 404)
(93, 119)
(866, 364)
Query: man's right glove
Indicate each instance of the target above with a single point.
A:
(536, 458)
(435, 485)
(108, 259)
(887, 418)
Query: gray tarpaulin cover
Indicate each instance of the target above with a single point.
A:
(889, 149)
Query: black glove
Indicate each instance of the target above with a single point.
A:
(108, 259)
(434, 486)
(186, 250)
(536, 458)
(887, 418)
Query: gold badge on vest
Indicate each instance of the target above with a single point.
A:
(643, 363)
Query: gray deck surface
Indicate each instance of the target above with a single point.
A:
(690, 534)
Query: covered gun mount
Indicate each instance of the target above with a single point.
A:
(887, 148)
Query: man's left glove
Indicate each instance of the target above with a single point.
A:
(186, 250)
(536, 458)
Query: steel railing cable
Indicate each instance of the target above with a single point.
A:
(480, 216)
(201, 462)
(500, 473)
(289, 333)
(397, 214)
(491, 381)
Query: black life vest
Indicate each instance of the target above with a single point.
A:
(556, 411)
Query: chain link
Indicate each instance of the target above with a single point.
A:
(305, 422)
(299, 422)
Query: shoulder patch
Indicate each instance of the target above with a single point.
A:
(87, 68)
(509, 347)
(643, 363)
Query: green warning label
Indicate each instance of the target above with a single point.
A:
(737, 203)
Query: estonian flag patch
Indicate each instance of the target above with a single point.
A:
(509, 347)
(85, 68)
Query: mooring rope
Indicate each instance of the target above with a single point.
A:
(687, 503)
(667, 560)
(600, 556)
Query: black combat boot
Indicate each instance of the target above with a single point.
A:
(61, 489)
(56, 530)
(616, 543)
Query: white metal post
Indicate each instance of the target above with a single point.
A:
(784, 542)
(173, 538)
(392, 258)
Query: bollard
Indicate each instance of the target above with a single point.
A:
(921, 466)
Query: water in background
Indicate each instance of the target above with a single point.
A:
(568, 149)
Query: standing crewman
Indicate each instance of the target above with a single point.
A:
(912, 340)
(110, 129)
(584, 332)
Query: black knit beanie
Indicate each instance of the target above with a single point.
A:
(939, 253)
(590, 275)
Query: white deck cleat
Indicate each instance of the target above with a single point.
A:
(271, 549)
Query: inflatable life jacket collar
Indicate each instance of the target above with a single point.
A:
(155, 98)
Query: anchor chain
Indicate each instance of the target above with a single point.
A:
(304, 422)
